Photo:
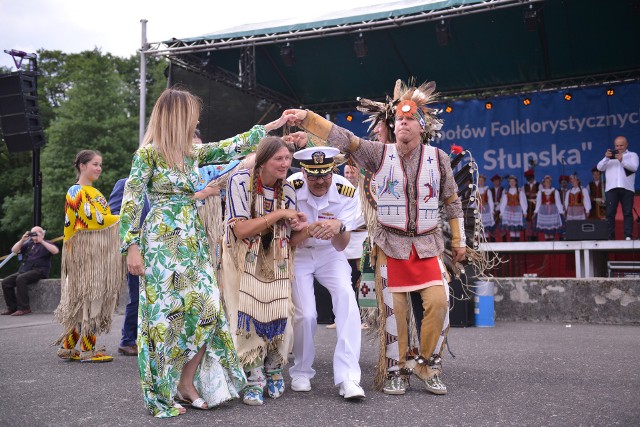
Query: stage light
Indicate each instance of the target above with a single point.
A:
(610, 91)
(287, 55)
(568, 96)
(443, 35)
(448, 109)
(349, 118)
(526, 101)
(488, 105)
(360, 47)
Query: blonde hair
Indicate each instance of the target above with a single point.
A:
(172, 125)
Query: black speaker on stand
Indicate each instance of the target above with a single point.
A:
(20, 119)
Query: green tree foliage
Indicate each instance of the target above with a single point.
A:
(88, 100)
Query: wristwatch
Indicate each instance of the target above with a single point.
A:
(342, 228)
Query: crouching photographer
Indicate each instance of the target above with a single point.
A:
(36, 263)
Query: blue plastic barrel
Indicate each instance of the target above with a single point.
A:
(484, 310)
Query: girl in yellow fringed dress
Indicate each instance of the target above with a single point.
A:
(92, 267)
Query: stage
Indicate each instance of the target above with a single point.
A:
(590, 256)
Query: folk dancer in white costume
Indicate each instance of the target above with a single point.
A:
(577, 203)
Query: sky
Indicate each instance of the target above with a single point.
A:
(114, 26)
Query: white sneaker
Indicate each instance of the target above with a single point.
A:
(351, 390)
(300, 384)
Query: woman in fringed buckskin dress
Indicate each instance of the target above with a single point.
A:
(92, 269)
(257, 266)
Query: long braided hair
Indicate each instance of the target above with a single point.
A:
(267, 148)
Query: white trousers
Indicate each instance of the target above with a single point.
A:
(332, 271)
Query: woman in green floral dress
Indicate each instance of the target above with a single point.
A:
(186, 353)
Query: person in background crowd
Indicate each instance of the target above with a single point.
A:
(596, 194)
(92, 268)
(128, 346)
(36, 263)
(353, 251)
(486, 207)
(530, 189)
(496, 194)
(513, 209)
(548, 210)
(564, 186)
(619, 166)
(576, 202)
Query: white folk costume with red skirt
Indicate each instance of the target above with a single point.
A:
(577, 204)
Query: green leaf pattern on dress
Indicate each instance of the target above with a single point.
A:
(179, 306)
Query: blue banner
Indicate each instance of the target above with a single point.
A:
(559, 136)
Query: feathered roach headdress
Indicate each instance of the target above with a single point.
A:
(413, 101)
(378, 112)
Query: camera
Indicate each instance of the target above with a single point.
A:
(32, 234)
(614, 152)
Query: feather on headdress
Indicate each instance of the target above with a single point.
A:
(378, 112)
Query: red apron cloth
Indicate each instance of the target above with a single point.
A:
(407, 275)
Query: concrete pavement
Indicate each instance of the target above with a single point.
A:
(516, 374)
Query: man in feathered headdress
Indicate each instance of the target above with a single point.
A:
(412, 178)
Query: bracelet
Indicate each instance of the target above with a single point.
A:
(267, 221)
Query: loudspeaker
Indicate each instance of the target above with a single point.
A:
(24, 141)
(17, 83)
(19, 113)
(587, 229)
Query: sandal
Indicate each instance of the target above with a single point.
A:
(95, 356)
(180, 408)
(70, 354)
(199, 403)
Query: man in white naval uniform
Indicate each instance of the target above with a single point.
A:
(329, 203)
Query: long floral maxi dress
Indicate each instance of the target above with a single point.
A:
(179, 309)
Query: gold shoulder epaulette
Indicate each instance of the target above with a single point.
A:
(298, 183)
(346, 189)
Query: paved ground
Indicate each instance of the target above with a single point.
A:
(520, 374)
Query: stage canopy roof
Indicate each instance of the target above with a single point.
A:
(471, 48)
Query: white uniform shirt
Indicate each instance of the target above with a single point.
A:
(332, 205)
(614, 174)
